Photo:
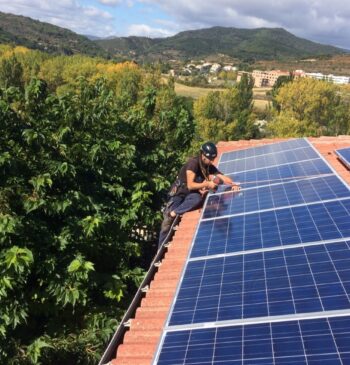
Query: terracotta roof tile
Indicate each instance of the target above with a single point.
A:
(140, 343)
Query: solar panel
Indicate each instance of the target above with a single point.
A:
(278, 174)
(269, 269)
(275, 196)
(263, 150)
(273, 159)
(321, 341)
(280, 227)
(296, 280)
(344, 155)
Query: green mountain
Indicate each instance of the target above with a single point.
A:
(258, 44)
(261, 43)
(127, 46)
(24, 31)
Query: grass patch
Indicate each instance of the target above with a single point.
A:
(260, 99)
(193, 92)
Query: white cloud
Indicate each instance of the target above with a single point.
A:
(147, 31)
(110, 2)
(64, 13)
(325, 21)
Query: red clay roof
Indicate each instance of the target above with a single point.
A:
(141, 341)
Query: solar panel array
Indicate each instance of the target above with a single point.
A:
(268, 277)
(344, 155)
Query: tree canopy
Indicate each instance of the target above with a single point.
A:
(309, 107)
(83, 173)
(227, 115)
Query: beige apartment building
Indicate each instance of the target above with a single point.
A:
(267, 78)
(263, 78)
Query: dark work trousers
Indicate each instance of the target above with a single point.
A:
(180, 205)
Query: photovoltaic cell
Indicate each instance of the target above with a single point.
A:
(322, 341)
(273, 283)
(277, 174)
(344, 155)
(274, 196)
(262, 150)
(309, 223)
(274, 159)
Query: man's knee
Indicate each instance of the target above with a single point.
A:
(192, 201)
(195, 198)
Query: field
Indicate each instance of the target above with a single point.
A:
(260, 99)
(191, 91)
(261, 104)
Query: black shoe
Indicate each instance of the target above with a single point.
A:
(165, 228)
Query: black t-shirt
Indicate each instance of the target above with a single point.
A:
(193, 164)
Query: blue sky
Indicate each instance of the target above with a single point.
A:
(324, 21)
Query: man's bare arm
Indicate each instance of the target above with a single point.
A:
(192, 185)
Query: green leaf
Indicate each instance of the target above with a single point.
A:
(17, 258)
(41, 181)
(90, 224)
(8, 224)
(4, 158)
(75, 265)
(34, 350)
(33, 203)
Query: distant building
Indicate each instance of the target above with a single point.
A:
(315, 75)
(267, 78)
(229, 68)
(241, 73)
(340, 80)
(215, 67)
(205, 67)
(190, 66)
(299, 73)
(186, 71)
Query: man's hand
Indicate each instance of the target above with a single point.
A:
(211, 185)
(235, 187)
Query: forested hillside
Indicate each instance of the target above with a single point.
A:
(24, 31)
(88, 150)
(259, 44)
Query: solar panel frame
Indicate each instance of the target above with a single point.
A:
(266, 149)
(272, 228)
(263, 284)
(312, 341)
(273, 174)
(274, 159)
(290, 193)
(344, 155)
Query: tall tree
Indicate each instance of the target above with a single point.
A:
(81, 181)
(317, 106)
(245, 92)
(227, 115)
(11, 73)
(282, 80)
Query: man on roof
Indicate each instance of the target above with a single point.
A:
(195, 179)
